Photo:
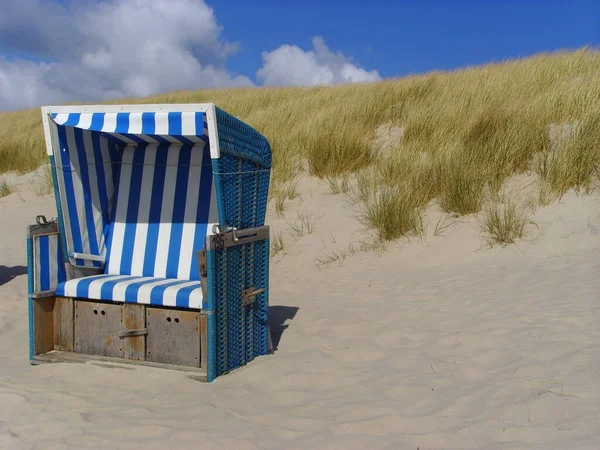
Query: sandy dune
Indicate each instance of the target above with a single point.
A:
(440, 343)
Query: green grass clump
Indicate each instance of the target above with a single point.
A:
(462, 186)
(504, 223)
(391, 211)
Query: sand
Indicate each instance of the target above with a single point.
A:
(438, 343)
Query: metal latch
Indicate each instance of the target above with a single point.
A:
(249, 295)
(41, 220)
(133, 333)
(232, 236)
(202, 269)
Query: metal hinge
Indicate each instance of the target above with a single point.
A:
(249, 295)
(203, 269)
(41, 220)
(233, 237)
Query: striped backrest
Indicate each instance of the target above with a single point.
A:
(85, 179)
(165, 207)
(87, 152)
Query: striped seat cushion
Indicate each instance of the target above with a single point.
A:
(135, 289)
(165, 206)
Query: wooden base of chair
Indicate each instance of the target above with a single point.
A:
(56, 356)
(76, 330)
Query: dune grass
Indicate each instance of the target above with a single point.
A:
(304, 224)
(504, 223)
(339, 185)
(277, 243)
(465, 132)
(5, 188)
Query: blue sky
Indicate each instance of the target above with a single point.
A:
(402, 37)
(53, 51)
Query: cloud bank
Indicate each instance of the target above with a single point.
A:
(101, 50)
(93, 50)
(290, 65)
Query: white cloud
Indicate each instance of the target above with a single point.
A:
(22, 83)
(93, 50)
(113, 48)
(290, 65)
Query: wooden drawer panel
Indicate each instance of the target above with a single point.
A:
(173, 336)
(97, 327)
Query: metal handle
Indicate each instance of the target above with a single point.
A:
(132, 333)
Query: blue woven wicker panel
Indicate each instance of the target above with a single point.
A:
(242, 175)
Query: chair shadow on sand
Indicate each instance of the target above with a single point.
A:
(277, 317)
(9, 273)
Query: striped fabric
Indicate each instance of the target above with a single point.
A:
(137, 189)
(48, 268)
(87, 156)
(165, 208)
(86, 181)
(135, 289)
(135, 128)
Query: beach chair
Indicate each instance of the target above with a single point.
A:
(159, 254)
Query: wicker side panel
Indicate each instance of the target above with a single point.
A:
(242, 330)
(243, 188)
(241, 140)
(242, 173)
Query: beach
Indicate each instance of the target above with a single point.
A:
(438, 342)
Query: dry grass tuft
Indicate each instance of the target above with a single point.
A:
(339, 255)
(339, 185)
(504, 223)
(5, 188)
(390, 211)
(574, 161)
(277, 243)
(304, 224)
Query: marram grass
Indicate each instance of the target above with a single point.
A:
(465, 132)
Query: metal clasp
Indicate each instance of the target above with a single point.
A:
(41, 220)
(249, 295)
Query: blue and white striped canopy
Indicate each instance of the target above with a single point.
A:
(142, 127)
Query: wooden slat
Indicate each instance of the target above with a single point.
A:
(97, 327)
(173, 336)
(63, 324)
(68, 357)
(134, 318)
(43, 322)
